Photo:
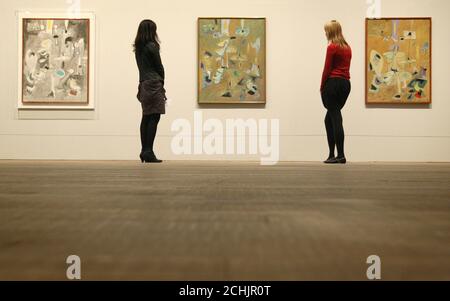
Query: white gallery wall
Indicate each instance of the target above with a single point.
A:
(296, 48)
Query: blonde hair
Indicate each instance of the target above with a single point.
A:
(334, 34)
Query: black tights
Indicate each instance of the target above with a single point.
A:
(334, 97)
(335, 132)
(149, 126)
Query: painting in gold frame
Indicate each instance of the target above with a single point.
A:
(232, 60)
(398, 61)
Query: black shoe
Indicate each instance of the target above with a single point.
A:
(330, 160)
(153, 160)
(149, 157)
(341, 160)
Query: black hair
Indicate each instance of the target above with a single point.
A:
(146, 34)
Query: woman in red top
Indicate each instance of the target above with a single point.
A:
(335, 89)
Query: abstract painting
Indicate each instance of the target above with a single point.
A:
(55, 62)
(232, 60)
(398, 61)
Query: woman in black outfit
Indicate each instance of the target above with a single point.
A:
(151, 94)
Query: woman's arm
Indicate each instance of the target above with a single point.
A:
(331, 50)
(156, 57)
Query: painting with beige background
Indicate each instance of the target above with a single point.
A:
(55, 61)
(398, 58)
(232, 60)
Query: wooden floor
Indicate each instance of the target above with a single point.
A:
(223, 220)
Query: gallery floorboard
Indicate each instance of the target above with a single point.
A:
(223, 220)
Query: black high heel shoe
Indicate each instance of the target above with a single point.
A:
(149, 157)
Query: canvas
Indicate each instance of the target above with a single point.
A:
(232, 60)
(398, 60)
(55, 62)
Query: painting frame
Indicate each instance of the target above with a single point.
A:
(264, 50)
(89, 103)
(369, 102)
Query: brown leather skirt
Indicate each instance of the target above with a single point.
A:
(152, 96)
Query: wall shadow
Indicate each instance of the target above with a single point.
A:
(231, 106)
(400, 106)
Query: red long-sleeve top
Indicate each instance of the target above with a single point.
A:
(337, 63)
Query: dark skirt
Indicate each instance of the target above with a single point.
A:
(335, 93)
(152, 96)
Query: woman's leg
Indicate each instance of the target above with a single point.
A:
(328, 99)
(152, 128)
(344, 88)
(338, 131)
(330, 135)
(144, 125)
